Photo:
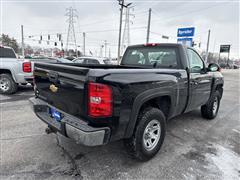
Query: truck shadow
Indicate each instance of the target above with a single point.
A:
(23, 93)
(112, 160)
(27, 88)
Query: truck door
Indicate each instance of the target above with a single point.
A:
(200, 81)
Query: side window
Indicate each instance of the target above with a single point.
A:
(196, 63)
(7, 53)
(92, 61)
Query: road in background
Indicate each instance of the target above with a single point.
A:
(194, 148)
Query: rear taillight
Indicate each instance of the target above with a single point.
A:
(99, 100)
(27, 67)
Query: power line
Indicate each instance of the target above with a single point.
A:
(158, 34)
(189, 12)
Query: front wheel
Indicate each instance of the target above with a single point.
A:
(210, 109)
(148, 135)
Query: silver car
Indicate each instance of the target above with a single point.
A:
(92, 60)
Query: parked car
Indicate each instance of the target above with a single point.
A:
(235, 66)
(98, 104)
(92, 60)
(13, 71)
(50, 60)
(70, 58)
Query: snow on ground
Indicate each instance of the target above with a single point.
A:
(227, 161)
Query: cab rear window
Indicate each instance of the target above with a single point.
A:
(159, 57)
(7, 53)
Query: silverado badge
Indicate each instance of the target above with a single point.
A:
(53, 88)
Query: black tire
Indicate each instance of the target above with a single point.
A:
(135, 145)
(209, 110)
(11, 85)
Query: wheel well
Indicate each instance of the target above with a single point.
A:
(163, 103)
(5, 71)
(219, 88)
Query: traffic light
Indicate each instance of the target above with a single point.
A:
(193, 44)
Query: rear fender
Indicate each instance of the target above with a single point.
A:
(217, 82)
(143, 98)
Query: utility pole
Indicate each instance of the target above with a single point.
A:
(126, 31)
(105, 45)
(22, 41)
(109, 54)
(228, 57)
(84, 43)
(101, 50)
(207, 45)
(121, 3)
(149, 24)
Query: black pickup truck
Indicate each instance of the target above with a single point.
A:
(98, 104)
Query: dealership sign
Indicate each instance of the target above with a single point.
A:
(185, 36)
(185, 32)
(224, 48)
(185, 41)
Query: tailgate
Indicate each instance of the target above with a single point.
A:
(62, 86)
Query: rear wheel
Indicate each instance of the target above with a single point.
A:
(148, 136)
(7, 84)
(210, 110)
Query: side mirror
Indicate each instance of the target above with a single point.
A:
(213, 67)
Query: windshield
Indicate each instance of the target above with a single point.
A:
(7, 53)
(159, 57)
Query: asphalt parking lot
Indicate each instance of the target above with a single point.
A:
(194, 148)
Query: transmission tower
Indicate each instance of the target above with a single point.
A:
(71, 37)
(126, 30)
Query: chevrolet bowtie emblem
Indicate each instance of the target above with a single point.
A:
(53, 88)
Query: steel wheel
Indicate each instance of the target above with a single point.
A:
(151, 135)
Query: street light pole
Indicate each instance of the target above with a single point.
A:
(22, 41)
(207, 45)
(84, 43)
(105, 45)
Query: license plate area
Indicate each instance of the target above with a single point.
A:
(56, 115)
